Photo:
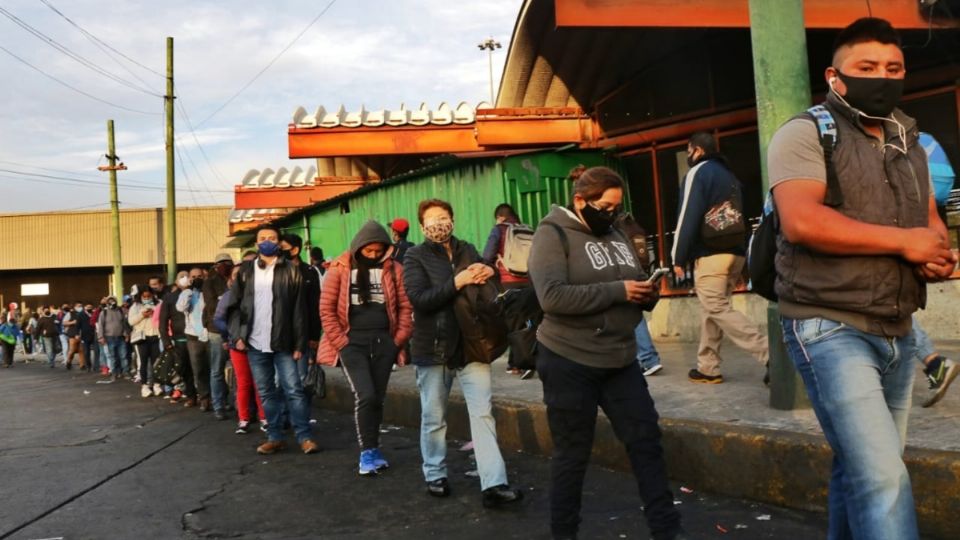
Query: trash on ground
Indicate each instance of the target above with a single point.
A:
(676, 502)
(685, 489)
(722, 529)
(739, 526)
(86, 392)
(763, 517)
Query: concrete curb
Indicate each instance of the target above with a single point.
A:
(777, 467)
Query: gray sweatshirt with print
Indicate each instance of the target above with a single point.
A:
(587, 318)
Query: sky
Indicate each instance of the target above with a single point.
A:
(377, 53)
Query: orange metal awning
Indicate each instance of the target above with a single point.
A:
(290, 197)
(493, 128)
(903, 14)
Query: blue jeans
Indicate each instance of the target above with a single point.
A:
(64, 346)
(434, 383)
(49, 349)
(115, 354)
(268, 366)
(647, 353)
(860, 387)
(924, 347)
(218, 361)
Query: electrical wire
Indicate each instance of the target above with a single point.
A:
(193, 132)
(66, 50)
(74, 88)
(269, 64)
(869, 9)
(64, 180)
(98, 41)
(183, 170)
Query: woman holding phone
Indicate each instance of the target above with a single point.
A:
(593, 292)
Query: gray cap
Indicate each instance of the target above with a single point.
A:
(222, 257)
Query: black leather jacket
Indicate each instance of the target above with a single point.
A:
(428, 278)
(288, 332)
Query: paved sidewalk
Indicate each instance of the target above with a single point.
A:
(717, 438)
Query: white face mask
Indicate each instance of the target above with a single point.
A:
(183, 282)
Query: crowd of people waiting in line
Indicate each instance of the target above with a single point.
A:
(385, 302)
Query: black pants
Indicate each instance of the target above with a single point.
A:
(200, 365)
(149, 350)
(8, 350)
(572, 392)
(367, 362)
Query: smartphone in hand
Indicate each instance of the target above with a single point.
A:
(657, 275)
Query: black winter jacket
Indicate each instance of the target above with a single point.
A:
(428, 278)
(213, 288)
(170, 318)
(288, 332)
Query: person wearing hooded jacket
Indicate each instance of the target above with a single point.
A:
(367, 319)
(433, 274)
(112, 330)
(593, 292)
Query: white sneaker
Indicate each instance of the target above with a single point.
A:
(145, 391)
(653, 370)
(157, 390)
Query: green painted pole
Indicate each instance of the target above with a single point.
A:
(114, 214)
(782, 80)
(170, 232)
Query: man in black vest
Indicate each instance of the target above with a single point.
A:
(851, 270)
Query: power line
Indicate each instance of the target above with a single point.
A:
(265, 68)
(183, 171)
(98, 41)
(65, 180)
(193, 132)
(65, 50)
(71, 87)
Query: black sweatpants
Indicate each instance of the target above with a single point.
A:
(367, 362)
(572, 393)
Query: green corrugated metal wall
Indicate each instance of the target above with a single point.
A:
(531, 183)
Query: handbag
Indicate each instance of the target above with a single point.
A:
(315, 383)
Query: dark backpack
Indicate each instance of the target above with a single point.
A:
(762, 249)
(482, 327)
(168, 368)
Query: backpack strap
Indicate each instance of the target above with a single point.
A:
(827, 133)
(563, 238)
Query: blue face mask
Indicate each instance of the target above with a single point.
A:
(78, 309)
(268, 248)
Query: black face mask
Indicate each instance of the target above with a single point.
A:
(691, 161)
(198, 283)
(599, 221)
(872, 96)
(286, 253)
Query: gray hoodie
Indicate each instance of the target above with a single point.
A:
(587, 318)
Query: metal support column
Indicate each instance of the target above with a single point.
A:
(782, 80)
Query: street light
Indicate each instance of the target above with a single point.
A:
(490, 45)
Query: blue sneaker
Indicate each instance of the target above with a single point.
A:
(367, 465)
(378, 461)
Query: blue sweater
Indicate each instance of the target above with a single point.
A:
(707, 184)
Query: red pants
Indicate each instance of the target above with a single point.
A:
(245, 387)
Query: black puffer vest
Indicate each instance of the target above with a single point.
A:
(881, 186)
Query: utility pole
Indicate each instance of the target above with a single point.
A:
(170, 231)
(114, 211)
(782, 80)
(490, 45)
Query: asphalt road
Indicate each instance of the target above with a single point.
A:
(85, 460)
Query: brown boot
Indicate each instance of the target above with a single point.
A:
(270, 447)
(309, 447)
(204, 404)
(190, 402)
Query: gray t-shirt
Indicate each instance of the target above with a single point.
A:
(795, 153)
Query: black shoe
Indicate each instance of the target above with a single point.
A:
(500, 495)
(697, 377)
(439, 488)
(219, 415)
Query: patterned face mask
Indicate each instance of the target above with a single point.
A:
(437, 230)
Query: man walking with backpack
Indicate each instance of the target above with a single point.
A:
(711, 233)
(859, 238)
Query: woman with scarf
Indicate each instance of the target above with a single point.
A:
(434, 272)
